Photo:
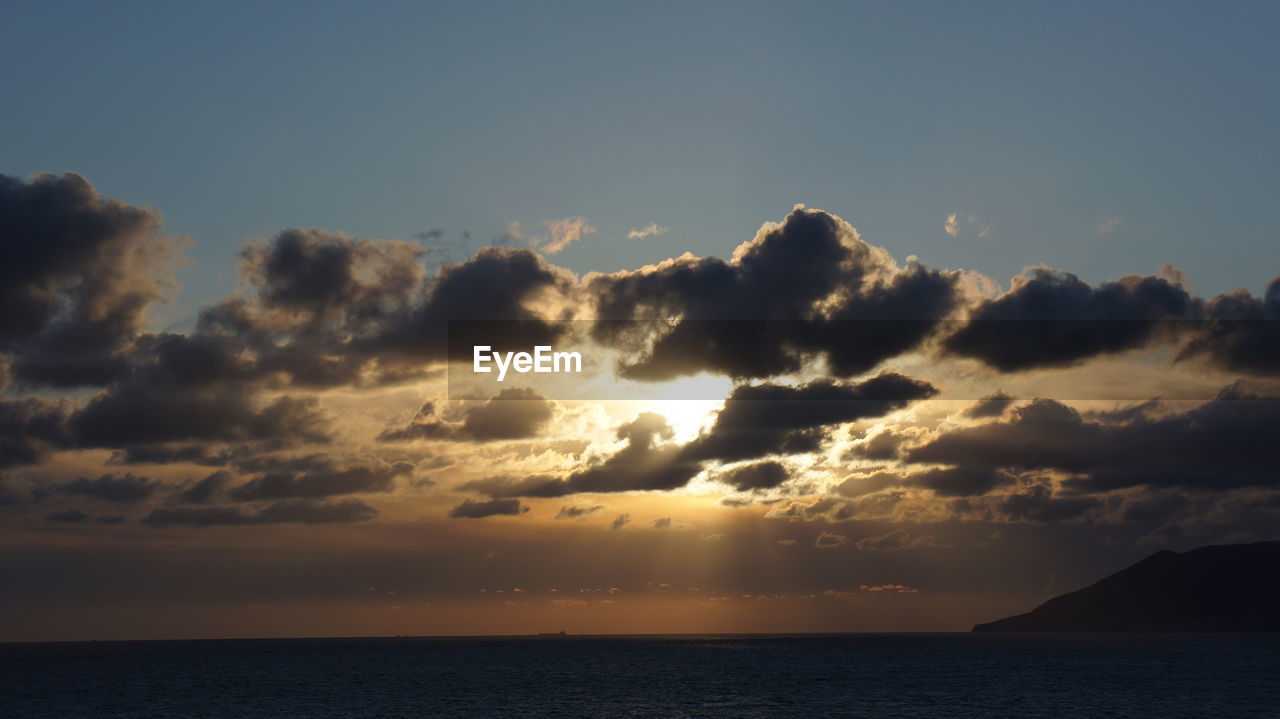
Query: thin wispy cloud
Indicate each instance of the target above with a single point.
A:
(561, 234)
(650, 230)
(959, 222)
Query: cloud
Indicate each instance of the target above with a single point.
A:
(897, 540)
(31, 429)
(650, 230)
(516, 413)
(1241, 333)
(620, 521)
(880, 446)
(204, 490)
(124, 489)
(131, 415)
(993, 405)
(1222, 444)
(830, 540)
(574, 511)
(662, 523)
(756, 421)
(1037, 504)
(762, 475)
(352, 480)
(80, 273)
(561, 234)
(293, 511)
(1108, 226)
(476, 509)
(69, 516)
(952, 224)
(171, 454)
(805, 289)
(960, 481)
(759, 420)
(1053, 319)
(957, 222)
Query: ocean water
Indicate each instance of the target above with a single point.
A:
(948, 675)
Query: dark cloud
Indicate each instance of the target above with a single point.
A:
(756, 421)
(169, 454)
(1037, 504)
(495, 284)
(662, 523)
(573, 511)
(538, 485)
(205, 490)
(804, 289)
(761, 475)
(477, 509)
(993, 405)
(1240, 333)
(1221, 444)
(1053, 319)
(32, 428)
(292, 511)
(642, 465)
(517, 413)
(775, 419)
(132, 415)
(880, 446)
(960, 481)
(68, 516)
(620, 521)
(323, 278)
(351, 480)
(125, 489)
(79, 274)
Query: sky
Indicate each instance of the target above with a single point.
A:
(238, 234)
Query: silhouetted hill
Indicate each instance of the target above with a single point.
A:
(1228, 588)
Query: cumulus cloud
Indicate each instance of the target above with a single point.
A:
(31, 429)
(80, 273)
(1240, 333)
(515, 413)
(761, 475)
(804, 289)
(132, 415)
(620, 521)
(759, 420)
(993, 405)
(1053, 319)
(1221, 444)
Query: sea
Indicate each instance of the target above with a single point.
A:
(775, 676)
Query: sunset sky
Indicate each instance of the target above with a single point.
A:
(895, 316)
